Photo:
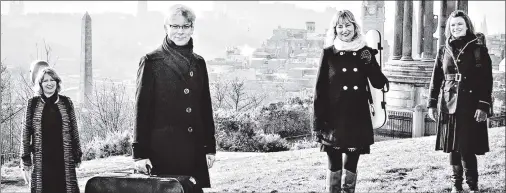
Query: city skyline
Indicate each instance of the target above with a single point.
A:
(494, 11)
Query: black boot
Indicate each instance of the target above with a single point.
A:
(334, 181)
(350, 181)
(472, 179)
(457, 178)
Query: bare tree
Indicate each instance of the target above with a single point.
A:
(11, 115)
(110, 110)
(219, 93)
(240, 100)
(47, 52)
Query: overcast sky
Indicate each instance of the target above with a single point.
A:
(493, 10)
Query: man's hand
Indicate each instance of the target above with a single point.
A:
(142, 165)
(433, 113)
(210, 160)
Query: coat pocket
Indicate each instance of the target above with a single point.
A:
(449, 102)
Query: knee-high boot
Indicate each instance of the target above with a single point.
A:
(472, 179)
(334, 181)
(350, 180)
(457, 178)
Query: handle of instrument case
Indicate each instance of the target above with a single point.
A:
(148, 168)
(387, 86)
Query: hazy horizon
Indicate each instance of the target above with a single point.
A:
(493, 10)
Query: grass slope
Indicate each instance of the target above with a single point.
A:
(405, 165)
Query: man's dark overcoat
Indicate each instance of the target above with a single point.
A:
(174, 122)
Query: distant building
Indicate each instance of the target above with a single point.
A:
(495, 45)
(288, 43)
(17, 8)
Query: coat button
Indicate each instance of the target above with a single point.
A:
(354, 53)
(341, 53)
(191, 73)
(355, 87)
(344, 69)
(190, 129)
(454, 85)
(188, 110)
(470, 91)
(186, 91)
(345, 88)
(458, 60)
(355, 69)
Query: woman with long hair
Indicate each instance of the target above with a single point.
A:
(463, 75)
(342, 121)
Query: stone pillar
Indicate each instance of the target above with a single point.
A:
(398, 23)
(462, 5)
(86, 76)
(442, 22)
(450, 7)
(407, 32)
(420, 27)
(419, 121)
(430, 23)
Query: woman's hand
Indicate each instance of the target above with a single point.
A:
(433, 113)
(480, 115)
(317, 136)
(210, 160)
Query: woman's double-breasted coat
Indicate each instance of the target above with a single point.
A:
(174, 121)
(341, 106)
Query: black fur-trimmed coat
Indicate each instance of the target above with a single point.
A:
(31, 150)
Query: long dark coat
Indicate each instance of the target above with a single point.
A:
(457, 128)
(174, 123)
(341, 107)
(31, 151)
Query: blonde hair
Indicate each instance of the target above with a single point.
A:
(459, 13)
(40, 76)
(341, 16)
(182, 10)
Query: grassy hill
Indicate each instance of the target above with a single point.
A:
(405, 165)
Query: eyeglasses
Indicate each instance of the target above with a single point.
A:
(184, 27)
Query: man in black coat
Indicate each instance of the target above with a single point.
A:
(174, 130)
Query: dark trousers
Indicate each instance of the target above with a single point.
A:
(336, 160)
(468, 161)
(469, 164)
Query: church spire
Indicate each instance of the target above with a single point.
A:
(484, 26)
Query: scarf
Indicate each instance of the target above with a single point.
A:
(181, 54)
(354, 45)
(457, 43)
(50, 100)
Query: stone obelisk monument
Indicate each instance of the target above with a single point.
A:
(86, 76)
